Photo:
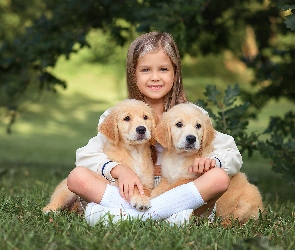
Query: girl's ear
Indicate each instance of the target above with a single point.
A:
(109, 128)
(208, 133)
(163, 133)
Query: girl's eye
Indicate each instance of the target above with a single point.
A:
(127, 118)
(145, 117)
(144, 70)
(198, 126)
(164, 69)
(179, 124)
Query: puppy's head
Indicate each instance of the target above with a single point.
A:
(185, 128)
(130, 121)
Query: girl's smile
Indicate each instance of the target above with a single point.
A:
(155, 87)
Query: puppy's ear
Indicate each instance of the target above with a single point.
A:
(155, 121)
(208, 134)
(163, 134)
(109, 128)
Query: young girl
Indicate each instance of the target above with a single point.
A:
(153, 76)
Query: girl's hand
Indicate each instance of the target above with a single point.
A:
(127, 180)
(202, 165)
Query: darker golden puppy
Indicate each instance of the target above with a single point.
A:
(129, 130)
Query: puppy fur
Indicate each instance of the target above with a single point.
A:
(129, 129)
(186, 132)
(241, 201)
(62, 198)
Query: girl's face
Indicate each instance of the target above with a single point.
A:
(154, 76)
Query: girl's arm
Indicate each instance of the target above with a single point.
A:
(226, 153)
(91, 156)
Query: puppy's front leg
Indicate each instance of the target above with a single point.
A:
(180, 182)
(162, 187)
(141, 201)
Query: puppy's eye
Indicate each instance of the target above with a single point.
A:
(127, 118)
(145, 117)
(179, 124)
(198, 126)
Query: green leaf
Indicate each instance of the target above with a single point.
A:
(212, 93)
(290, 22)
(231, 95)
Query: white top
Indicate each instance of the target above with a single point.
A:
(91, 156)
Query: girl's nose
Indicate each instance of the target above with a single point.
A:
(155, 77)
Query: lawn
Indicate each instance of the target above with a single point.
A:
(40, 152)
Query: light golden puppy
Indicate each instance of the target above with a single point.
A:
(241, 201)
(186, 132)
(129, 129)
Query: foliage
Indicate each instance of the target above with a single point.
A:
(50, 30)
(280, 147)
(233, 119)
(290, 19)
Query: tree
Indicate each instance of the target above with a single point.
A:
(198, 26)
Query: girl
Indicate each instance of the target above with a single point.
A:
(153, 76)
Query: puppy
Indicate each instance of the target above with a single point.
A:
(62, 198)
(186, 132)
(129, 128)
(241, 201)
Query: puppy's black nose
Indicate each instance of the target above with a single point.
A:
(140, 130)
(191, 139)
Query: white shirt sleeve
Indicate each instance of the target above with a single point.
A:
(91, 156)
(226, 154)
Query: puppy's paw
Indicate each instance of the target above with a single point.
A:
(51, 208)
(140, 202)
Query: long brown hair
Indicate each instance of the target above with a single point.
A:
(153, 42)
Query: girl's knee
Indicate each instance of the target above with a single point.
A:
(221, 180)
(76, 177)
(212, 184)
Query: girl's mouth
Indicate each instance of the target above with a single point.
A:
(155, 87)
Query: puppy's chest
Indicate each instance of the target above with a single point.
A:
(176, 167)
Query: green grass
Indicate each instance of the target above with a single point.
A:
(41, 152)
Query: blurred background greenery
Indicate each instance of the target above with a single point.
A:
(62, 65)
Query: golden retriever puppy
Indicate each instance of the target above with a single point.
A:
(129, 129)
(186, 132)
(63, 198)
(241, 201)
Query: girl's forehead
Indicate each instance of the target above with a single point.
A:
(155, 54)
